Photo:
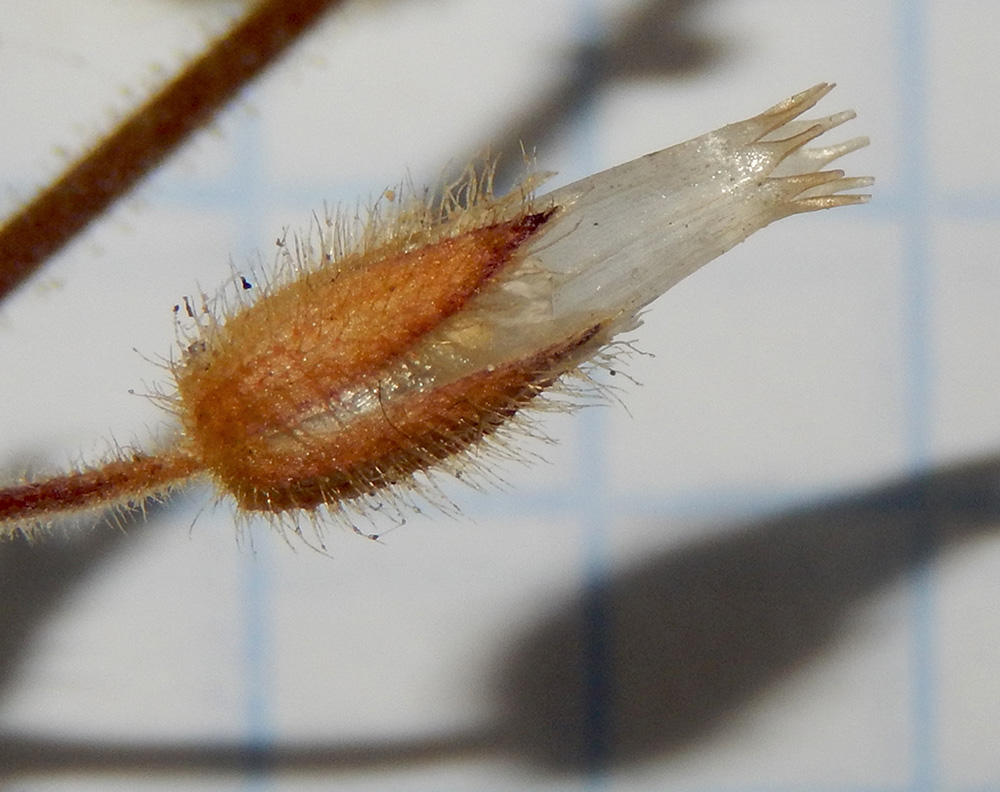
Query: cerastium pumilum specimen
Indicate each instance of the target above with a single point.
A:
(383, 350)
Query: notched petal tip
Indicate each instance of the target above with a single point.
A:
(802, 205)
(774, 144)
(789, 140)
(807, 129)
(810, 192)
(760, 126)
(806, 187)
(810, 159)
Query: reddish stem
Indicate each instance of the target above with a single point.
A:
(124, 481)
(143, 140)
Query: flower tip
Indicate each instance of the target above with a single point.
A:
(780, 114)
(626, 235)
(827, 192)
(803, 100)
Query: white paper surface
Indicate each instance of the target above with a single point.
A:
(731, 580)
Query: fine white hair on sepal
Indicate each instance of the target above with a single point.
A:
(624, 236)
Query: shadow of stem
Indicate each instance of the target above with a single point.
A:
(694, 634)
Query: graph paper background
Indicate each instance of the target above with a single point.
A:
(772, 567)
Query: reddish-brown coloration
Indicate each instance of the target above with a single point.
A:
(144, 139)
(245, 390)
(128, 480)
(385, 446)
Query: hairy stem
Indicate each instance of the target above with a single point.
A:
(146, 138)
(121, 482)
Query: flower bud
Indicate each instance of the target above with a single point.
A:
(397, 346)
(403, 351)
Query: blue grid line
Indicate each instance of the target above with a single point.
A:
(248, 185)
(917, 409)
(590, 495)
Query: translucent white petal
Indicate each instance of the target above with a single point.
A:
(626, 235)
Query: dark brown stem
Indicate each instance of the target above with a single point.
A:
(143, 140)
(120, 482)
